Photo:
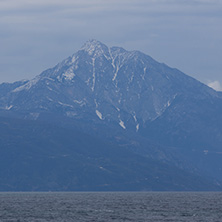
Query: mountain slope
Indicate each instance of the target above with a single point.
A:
(36, 156)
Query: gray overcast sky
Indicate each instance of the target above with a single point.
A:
(185, 34)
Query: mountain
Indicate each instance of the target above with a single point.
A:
(127, 88)
(126, 99)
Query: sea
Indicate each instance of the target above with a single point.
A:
(111, 206)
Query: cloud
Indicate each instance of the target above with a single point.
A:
(215, 85)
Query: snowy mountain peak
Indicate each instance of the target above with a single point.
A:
(95, 48)
(129, 87)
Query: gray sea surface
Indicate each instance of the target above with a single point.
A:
(113, 206)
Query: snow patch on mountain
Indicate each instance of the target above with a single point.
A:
(121, 123)
(74, 59)
(137, 127)
(80, 103)
(113, 59)
(69, 74)
(117, 109)
(144, 73)
(169, 102)
(115, 74)
(94, 48)
(94, 74)
(99, 114)
(135, 119)
(51, 100)
(8, 107)
(27, 85)
(64, 104)
(95, 101)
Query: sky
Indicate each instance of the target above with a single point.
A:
(184, 34)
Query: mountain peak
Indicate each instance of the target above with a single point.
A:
(94, 47)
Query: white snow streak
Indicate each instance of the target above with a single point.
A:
(144, 73)
(94, 74)
(113, 64)
(99, 114)
(50, 88)
(49, 99)
(117, 109)
(137, 124)
(8, 107)
(64, 104)
(137, 127)
(74, 58)
(115, 75)
(81, 103)
(121, 123)
(96, 103)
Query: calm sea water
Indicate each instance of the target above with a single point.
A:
(153, 207)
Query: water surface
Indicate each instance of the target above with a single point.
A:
(153, 207)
